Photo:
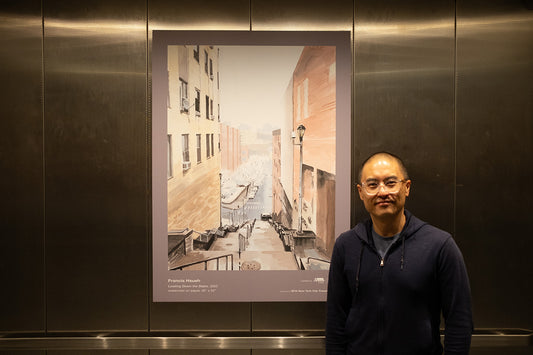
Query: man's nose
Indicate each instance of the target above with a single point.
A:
(382, 191)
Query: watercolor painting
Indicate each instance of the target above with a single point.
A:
(251, 157)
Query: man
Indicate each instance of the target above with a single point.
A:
(392, 276)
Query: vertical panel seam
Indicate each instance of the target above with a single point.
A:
(455, 122)
(251, 326)
(146, 161)
(43, 155)
(352, 132)
(148, 174)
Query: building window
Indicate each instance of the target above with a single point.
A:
(185, 150)
(169, 156)
(299, 102)
(184, 96)
(212, 144)
(332, 72)
(198, 148)
(211, 115)
(206, 62)
(211, 69)
(196, 53)
(206, 106)
(197, 103)
(306, 98)
(219, 143)
(218, 112)
(207, 146)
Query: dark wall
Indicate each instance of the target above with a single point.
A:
(444, 84)
(450, 92)
(22, 239)
(494, 125)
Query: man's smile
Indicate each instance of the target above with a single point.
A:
(384, 202)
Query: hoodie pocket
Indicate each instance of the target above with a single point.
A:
(353, 322)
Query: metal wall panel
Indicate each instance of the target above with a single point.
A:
(404, 99)
(200, 318)
(200, 352)
(296, 15)
(96, 165)
(287, 352)
(98, 352)
(93, 230)
(21, 167)
(297, 318)
(494, 155)
(198, 15)
(301, 15)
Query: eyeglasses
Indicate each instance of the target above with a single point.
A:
(390, 186)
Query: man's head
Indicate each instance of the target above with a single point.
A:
(383, 185)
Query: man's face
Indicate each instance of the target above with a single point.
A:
(385, 203)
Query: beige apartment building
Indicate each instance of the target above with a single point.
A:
(193, 138)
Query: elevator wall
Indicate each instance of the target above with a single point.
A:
(445, 84)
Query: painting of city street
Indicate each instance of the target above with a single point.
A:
(251, 139)
(251, 157)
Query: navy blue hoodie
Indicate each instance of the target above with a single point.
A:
(393, 305)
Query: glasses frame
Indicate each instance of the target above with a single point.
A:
(380, 185)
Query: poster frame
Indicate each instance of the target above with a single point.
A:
(243, 286)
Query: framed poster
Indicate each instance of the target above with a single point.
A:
(250, 163)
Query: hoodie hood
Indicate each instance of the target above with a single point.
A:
(412, 225)
(364, 232)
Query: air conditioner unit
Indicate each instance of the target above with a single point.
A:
(211, 76)
(186, 165)
(185, 104)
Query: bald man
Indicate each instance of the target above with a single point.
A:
(392, 276)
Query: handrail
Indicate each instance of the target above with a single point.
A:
(318, 259)
(483, 338)
(217, 258)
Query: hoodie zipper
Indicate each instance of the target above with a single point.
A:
(381, 306)
(381, 310)
(381, 317)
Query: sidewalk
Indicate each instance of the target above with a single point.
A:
(264, 250)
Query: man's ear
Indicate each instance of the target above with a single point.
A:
(407, 187)
(360, 192)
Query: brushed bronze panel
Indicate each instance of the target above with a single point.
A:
(200, 318)
(21, 166)
(404, 99)
(292, 15)
(494, 155)
(298, 15)
(96, 165)
(296, 318)
(199, 15)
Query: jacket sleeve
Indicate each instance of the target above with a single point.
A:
(338, 304)
(456, 300)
